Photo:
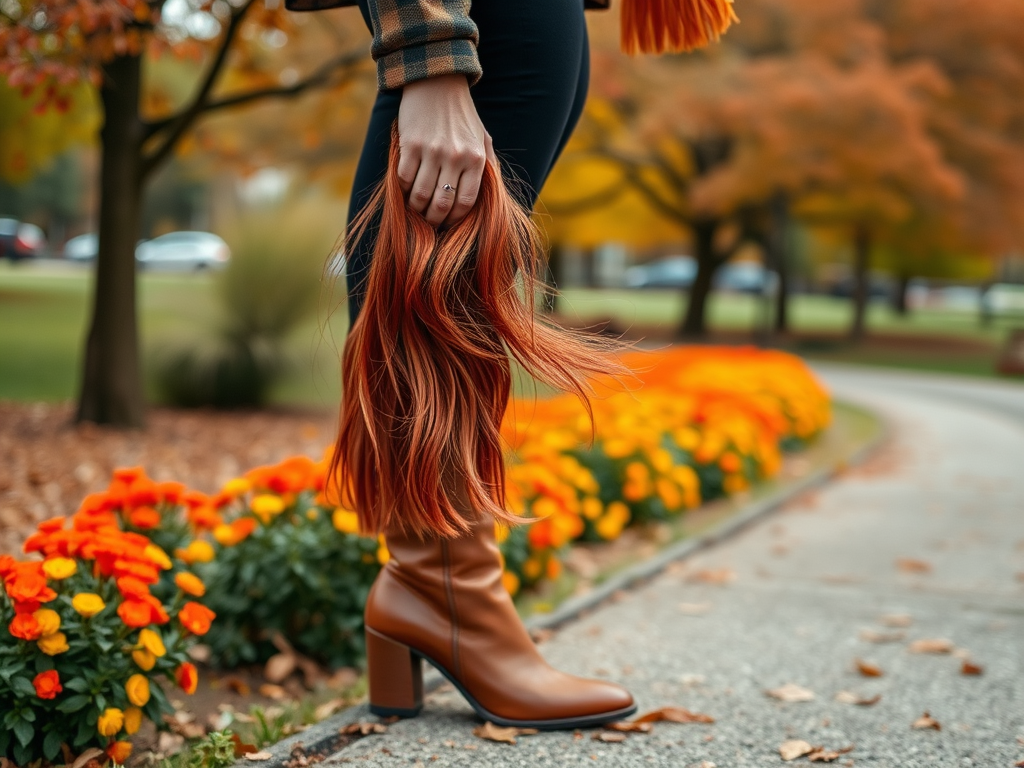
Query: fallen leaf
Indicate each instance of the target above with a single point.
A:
(848, 697)
(695, 609)
(327, 709)
(868, 669)
(870, 636)
(609, 737)
(714, 576)
(90, 754)
(237, 685)
(200, 653)
(169, 743)
(627, 727)
(493, 732)
(363, 729)
(272, 691)
(940, 645)
(1021, 763)
(279, 666)
(822, 755)
(794, 748)
(910, 565)
(241, 748)
(183, 723)
(927, 721)
(791, 692)
(674, 715)
(258, 757)
(970, 668)
(896, 620)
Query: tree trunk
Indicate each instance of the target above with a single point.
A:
(861, 258)
(899, 298)
(112, 391)
(779, 239)
(695, 321)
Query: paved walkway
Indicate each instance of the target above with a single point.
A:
(931, 529)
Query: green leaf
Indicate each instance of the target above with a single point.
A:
(23, 686)
(24, 731)
(51, 745)
(77, 684)
(74, 703)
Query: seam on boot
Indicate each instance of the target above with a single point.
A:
(452, 610)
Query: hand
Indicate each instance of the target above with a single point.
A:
(441, 141)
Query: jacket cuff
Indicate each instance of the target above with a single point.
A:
(418, 62)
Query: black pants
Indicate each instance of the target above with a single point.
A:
(536, 67)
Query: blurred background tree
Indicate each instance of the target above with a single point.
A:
(53, 51)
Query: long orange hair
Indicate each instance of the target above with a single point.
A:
(426, 370)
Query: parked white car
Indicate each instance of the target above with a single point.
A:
(82, 248)
(183, 251)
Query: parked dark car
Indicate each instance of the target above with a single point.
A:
(19, 240)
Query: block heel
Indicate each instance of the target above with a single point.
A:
(396, 677)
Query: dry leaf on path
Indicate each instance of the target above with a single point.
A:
(970, 668)
(927, 721)
(868, 669)
(870, 636)
(791, 692)
(794, 748)
(236, 684)
(328, 708)
(279, 666)
(939, 645)
(822, 755)
(910, 565)
(848, 697)
(896, 620)
(90, 754)
(609, 737)
(272, 691)
(241, 748)
(713, 576)
(363, 729)
(492, 732)
(624, 726)
(695, 609)
(674, 715)
(258, 757)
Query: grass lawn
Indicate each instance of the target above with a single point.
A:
(43, 315)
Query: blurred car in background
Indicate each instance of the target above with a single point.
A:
(19, 240)
(82, 248)
(669, 272)
(745, 277)
(183, 251)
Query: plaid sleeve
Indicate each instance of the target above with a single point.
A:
(416, 39)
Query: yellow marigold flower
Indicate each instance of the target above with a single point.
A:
(510, 581)
(144, 660)
(266, 506)
(592, 508)
(312, 514)
(545, 506)
(197, 551)
(383, 554)
(225, 535)
(735, 484)
(132, 720)
(158, 556)
(58, 568)
(618, 449)
(500, 532)
(609, 527)
(662, 460)
(669, 494)
(190, 584)
(87, 604)
(54, 644)
(637, 471)
(634, 490)
(48, 620)
(111, 722)
(150, 640)
(532, 568)
(619, 512)
(137, 689)
(236, 487)
(686, 438)
(345, 520)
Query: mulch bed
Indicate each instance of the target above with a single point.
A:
(48, 463)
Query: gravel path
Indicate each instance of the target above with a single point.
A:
(929, 533)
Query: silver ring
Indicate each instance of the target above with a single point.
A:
(448, 188)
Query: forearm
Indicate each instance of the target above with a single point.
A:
(417, 39)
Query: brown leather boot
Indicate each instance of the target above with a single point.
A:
(443, 600)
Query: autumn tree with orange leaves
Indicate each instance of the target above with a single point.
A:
(49, 47)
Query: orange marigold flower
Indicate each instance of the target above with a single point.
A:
(730, 462)
(137, 690)
(204, 517)
(132, 588)
(171, 492)
(51, 525)
(196, 618)
(190, 584)
(187, 677)
(6, 565)
(27, 584)
(128, 475)
(132, 720)
(144, 518)
(135, 613)
(144, 659)
(47, 684)
(119, 751)
(24, 626)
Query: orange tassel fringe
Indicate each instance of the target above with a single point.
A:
(426, 370)
(659, 26)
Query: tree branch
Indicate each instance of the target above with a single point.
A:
(178, 124)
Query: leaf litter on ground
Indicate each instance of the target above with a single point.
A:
(938, 645)
(868, 669)
(674, 715)
(791, 692)
(926, 721)
(848, 697)
(491, 732)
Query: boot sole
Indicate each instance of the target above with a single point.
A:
(558, 724)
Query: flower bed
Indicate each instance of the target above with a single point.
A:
(89, 632)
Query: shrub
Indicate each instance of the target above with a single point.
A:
(86, 639)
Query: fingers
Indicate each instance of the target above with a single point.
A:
(468, 186)
(425, 183)
(424, 172)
